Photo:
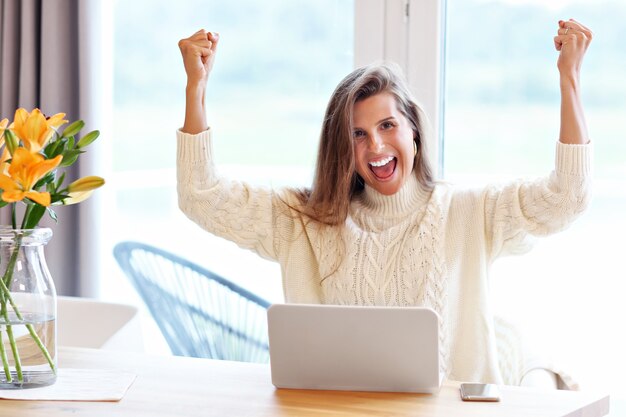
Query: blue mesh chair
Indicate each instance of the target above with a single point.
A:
(200, 313)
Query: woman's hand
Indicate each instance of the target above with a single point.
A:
(572, 41)
(198, 52)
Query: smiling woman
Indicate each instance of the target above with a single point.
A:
(373, 229)
(266, 108)
(385, 152)
(371, 118)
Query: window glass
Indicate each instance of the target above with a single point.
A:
(277, 64)
(502, 122)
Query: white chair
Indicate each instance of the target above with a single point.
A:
(90, 323)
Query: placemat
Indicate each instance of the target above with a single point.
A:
(78, 385)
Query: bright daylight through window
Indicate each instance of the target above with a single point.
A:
(502, 122)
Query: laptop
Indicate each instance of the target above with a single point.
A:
(354, 348)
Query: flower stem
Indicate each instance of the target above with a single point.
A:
(16, 353)
(6, 280)
(5, 360)
(31, 330)
(43, 348)
(26, 215)
(8, 274)
(5, 313)
(6, 296)
(13, 216)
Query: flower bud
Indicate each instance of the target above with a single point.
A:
(10, 140)
(77, 197)
(86, 184)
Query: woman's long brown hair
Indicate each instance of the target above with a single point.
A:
(336, 181)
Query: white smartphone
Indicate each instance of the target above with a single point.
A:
(480, 392)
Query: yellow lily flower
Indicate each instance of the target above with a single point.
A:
(4, 166)
(3, 125)
(25, 170)
(34, 129)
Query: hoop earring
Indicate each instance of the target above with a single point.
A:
(359, 181)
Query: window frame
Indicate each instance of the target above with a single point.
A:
(411, 34)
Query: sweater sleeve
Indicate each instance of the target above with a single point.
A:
(232, 210)
(538, 208)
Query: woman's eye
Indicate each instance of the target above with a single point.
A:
(359, 134)
(387, 125)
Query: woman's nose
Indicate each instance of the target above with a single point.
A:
(375, 142)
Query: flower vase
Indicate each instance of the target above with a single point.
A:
(28, 309)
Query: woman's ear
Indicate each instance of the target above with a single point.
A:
(414, 146)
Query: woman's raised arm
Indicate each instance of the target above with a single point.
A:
(572, 41)
(198, 52)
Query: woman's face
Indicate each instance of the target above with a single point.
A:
(383, 143)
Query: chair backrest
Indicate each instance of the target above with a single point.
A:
(200, 313)
(96, 324)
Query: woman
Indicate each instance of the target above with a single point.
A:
(375, 228)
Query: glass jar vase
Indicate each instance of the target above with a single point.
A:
(28, 309)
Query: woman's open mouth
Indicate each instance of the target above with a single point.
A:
(383, 168)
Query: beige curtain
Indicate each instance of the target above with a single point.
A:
(47, 60)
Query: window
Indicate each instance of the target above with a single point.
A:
(502, 120)
(278, 62)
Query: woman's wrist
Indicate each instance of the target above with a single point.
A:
(195, 91)
(569, 80)
(195, 116)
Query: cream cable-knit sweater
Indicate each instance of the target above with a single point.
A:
(414, 248)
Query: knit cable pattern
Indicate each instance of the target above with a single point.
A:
(393, 265)
(416, 249)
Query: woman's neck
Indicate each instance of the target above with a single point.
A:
(411, 196)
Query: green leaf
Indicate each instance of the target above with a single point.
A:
(54, 198)
(48, 151)
(69, 158)
(3, 203)
(70, 142)
(88, 139)
(60, 181)
(36, 213)
(46, 179)
(52, 214)
(73, 128)
(56, 148)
